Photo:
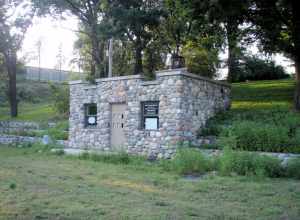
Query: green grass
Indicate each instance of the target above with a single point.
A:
(259, 95)
(42, 186)
(30, 112)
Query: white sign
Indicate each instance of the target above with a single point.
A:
(151, 123)
(92, 120)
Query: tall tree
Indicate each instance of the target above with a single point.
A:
(278, 29)
(187, 32)
(136, 19)
(15, 18)
(229, 15)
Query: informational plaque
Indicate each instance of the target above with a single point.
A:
(151, 123)
(151, 109)
(150, 115)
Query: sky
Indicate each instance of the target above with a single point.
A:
(60, 33)
(53, 34)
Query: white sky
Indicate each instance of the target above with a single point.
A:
(54, 33)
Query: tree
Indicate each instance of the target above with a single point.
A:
(278, 29)
(38, 45)
(60, 58)
(256, 68)
(93, 25)
(136, 19)
(199, 60)
(15, 18)
(186, 32)
(177, 25)
(228, 15)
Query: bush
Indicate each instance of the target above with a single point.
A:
(33, 92)
(190, 161)
(271, 166)
(246, 163)
(254, 68)
(61, 99)
(59, 132)
(293, 168)
(259, 136)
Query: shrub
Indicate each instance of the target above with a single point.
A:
(271, 166)
(254, 68)
(12, 186)
(246, 163)
(190, 161)
(33, 92)
(59, 132)
(258, 136)
(61, 99)
(215, 125)
(293, 168)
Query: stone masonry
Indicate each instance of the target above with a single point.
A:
(186, 102)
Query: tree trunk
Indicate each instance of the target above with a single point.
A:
(297, 89)
(232, 35)
(138, 67)
(11, 65)
(296, 38)
(97, 54)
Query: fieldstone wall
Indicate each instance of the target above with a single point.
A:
(8, 126)
(186, 101)
(10, 139)
(15, 139)
(283, 157)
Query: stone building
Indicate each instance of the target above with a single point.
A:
(130, 114)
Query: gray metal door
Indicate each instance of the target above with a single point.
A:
(117, 126)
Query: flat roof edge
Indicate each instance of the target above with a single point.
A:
(162, 73)
(184, 72)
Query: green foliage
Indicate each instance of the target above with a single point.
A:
(61, 99)
(12, 186)
(189, 161)
(27, 91)
(276, 133)
(3, 93)
(31, 92)
(136, 20)
(59, 132)
(200, 60)
(245, 163)
(260, 119)
(30, 112)
(254, 68)
(293, 168)
(212, 126)
(113, 158)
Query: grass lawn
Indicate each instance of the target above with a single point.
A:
(42, 186)
(30, 112)
(262, 95)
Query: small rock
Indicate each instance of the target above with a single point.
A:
(46, 140)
